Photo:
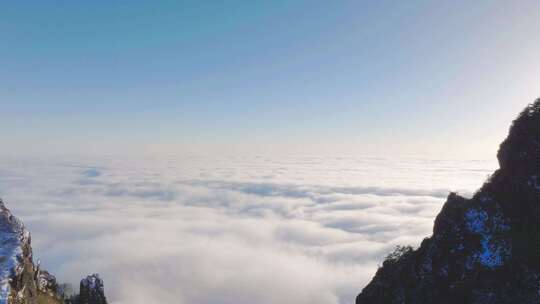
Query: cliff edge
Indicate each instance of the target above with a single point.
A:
(22, 281)
(485, 249)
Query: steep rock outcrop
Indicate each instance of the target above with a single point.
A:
(483, 250)
(91, 290)
(17, 271)
(22, 282)
(47, 285)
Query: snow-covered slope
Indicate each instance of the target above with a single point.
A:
(15, 256)
(22, 282)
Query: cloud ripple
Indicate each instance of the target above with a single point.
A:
(229, 230)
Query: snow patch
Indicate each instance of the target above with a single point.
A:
(493, 253)
(93, 282)
(12, 236)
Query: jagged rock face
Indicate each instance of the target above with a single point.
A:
(21, 282)
(485, 249)
(16, 263)
(91, 290)
(47, 285)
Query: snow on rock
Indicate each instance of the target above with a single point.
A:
(93, 282)
(492, 253)
(47, 284)
(484, 249)
(22, 282)
(15, 251)
(91, 290)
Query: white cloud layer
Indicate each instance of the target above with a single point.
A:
(229, 230)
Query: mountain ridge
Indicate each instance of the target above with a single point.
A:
(484, 249)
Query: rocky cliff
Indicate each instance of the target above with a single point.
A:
(17, 271)
(21, 281)
(485, 249)
(91, 290)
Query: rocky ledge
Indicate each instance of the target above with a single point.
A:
(23, 282)
(485, 249)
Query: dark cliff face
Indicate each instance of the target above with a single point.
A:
(485, 249)
(92, 291)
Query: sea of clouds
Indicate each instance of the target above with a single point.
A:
(229, 229)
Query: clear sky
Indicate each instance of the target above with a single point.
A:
(370, 77)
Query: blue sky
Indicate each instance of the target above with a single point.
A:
(370, 77)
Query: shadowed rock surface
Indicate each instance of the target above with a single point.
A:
(91, 290)
(483, 250)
